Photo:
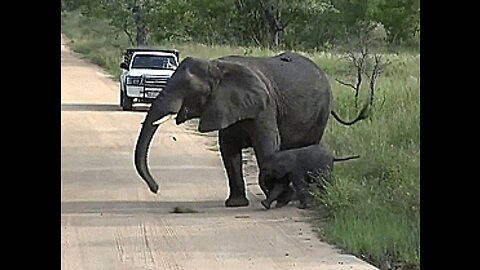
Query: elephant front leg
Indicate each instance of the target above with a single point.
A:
(277, 189)
(265, 139)
(231, 152)
(265, 184)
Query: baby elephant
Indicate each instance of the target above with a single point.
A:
(291, 166)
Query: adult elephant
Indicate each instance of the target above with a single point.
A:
(268, 103)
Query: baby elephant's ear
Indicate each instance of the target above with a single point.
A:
(239, 93)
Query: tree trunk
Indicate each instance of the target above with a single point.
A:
(276, 25)
(276, 38)
(140, 20)
(272, 22)
(266, 22)
(141, 37)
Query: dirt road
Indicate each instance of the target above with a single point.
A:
(111, 221)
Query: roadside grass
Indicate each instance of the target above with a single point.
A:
(373, 205)
(374, 202)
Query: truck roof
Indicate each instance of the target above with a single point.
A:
(127, 56)
(131, 50)
(153, 53)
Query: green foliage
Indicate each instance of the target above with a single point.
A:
(309, 25)
(401, 19)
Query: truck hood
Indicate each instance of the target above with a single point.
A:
(153, 72)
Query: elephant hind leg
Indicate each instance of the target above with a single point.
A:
(301, 187)
(315, 134)
(231, 152)
(285, 197)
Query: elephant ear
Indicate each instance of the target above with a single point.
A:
(238, 93)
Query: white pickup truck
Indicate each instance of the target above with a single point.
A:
(145, 74)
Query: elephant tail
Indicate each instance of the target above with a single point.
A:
(361, 116)
(346, 158)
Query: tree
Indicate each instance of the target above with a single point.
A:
(364, 59)
(280, 14)
(401, 19)
(129, 16)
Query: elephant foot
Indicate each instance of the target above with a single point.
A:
(237, 201)
(304, 203)
(265, 204)
(281, 204)
(302, 206)
(285, 197)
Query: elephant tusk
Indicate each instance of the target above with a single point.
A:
(161, 120)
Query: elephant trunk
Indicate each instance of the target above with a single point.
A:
(141, 152)
(158, 111)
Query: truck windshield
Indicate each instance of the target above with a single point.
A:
(154, 62)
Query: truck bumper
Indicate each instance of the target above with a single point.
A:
(142, 94)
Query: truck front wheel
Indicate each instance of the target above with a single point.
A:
(125, 102)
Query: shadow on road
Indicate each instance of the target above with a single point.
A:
(134, 207)
(85, 107)
(121, 213)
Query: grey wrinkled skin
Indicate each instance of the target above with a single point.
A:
(293, 166)
(266, 103)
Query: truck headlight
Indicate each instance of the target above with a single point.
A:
(134, 80)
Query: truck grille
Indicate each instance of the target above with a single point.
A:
(155, 82)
